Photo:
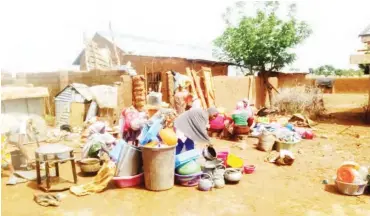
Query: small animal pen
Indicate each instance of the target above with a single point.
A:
(72, 103)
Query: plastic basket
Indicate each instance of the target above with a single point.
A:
(350, 188)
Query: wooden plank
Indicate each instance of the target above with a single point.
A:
(212, 87)
(198, 88)
(250, 91)
(77, 114)
(207, 89)
(188, 73)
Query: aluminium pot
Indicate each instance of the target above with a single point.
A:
(130, 161)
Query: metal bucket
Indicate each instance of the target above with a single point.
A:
(130, 161)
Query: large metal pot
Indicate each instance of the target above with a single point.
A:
(130, 161)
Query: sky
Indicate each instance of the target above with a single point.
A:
(46, 35)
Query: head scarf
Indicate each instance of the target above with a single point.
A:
(239, 105)
(193, 124)
(245, 102)
(108, 138)
(97, 127)
(212, 111)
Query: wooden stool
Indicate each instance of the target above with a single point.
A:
(53, 154)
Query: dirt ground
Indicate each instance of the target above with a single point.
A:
(271, 190)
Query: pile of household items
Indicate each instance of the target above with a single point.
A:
(352, 179)
(217, 169)
(154, 163)
(282, 135)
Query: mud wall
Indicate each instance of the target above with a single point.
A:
(351, 85)
(56, 81)
(342, 85)
(230, 90)
(292, 80)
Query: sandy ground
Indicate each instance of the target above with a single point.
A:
(271, 190)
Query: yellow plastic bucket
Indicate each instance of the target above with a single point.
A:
(234, 161)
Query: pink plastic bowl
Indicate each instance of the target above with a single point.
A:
(249, 169)
(129, 181)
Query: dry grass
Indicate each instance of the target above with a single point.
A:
(300, 99)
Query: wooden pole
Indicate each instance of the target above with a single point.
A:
(114, 45)
(86, 52)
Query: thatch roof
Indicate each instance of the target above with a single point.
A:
(16, 92)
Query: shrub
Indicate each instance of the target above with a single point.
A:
(300, 99)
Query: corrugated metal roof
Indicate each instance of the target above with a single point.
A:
(137, 45)
(141, 46)
(366, 31)
(80, 88)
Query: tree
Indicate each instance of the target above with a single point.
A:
(329, 70)
(365, 68)
(262, 42)
(326, 70)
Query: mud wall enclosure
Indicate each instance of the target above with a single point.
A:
(228, 90)
(352, 85)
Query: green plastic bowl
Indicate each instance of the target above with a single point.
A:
(188, 168)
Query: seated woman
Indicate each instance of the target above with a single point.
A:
(97, 145)
(96, 128)
(240, 118)
(247, 106)
(217, 122)
(190, 127)
(132, 123)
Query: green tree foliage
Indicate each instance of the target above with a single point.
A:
(263, 42)
(329, 70)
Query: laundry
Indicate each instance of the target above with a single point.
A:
(99, 183)
(47, 200)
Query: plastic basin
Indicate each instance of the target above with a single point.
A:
(286, 145)
(128, 181)
(249, 169)
(234, 161)
(188, 180)
(350, 188)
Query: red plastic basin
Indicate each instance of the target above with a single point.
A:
(129, 181)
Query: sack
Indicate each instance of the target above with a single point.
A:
(139, 85)
(139, 78)
(266, 141)
(139, 98)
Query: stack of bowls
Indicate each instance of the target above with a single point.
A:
(188, 174)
